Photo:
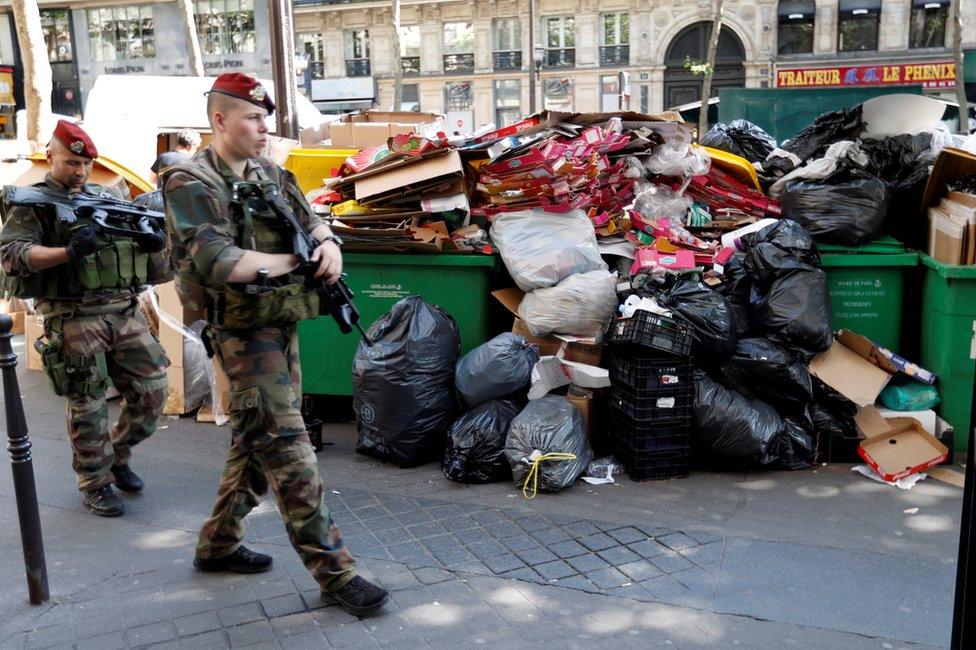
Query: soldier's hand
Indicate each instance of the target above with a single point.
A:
(83, 242)
(329, 259)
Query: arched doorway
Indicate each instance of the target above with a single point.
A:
(683, 87)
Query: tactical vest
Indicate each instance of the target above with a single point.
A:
(118, 265)
(242, 305)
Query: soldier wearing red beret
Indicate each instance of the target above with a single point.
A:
(234, 264)
(85, 284)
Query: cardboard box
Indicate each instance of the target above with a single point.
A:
(951, 164)
(33, 330)
(585, 351)
(406, 177)
(899, 447)
(587, 400)
(370, 128)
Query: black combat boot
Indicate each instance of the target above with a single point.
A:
(358, 597)
(104, 502)
(243, 560)
(126, 480)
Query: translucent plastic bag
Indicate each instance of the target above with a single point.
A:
(678, 159)
(655, 202)
(540, 249)
(580, 305)
(499, 368)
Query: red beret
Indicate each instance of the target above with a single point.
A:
(75, 139)
(242, 86)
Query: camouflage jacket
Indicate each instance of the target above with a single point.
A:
(202, 224)
(24, 226)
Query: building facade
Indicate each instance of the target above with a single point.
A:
(476, 60)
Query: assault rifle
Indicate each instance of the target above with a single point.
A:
(110, 216)
(336, 298)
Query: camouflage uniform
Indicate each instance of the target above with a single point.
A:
(106, 322)
(269, 442)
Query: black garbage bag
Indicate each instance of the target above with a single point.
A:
(796, 312)
(789, 236)
(709, 314)
(733, 431)
(737, 289)
(760, 369)
(496, 369)
(765, 262)
(403, 385)
(742, 138)
(476, 443)
(832, 415)
(152, 200)
(547, 425)
(847, 208)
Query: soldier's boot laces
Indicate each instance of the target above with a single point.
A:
(243, 560)
(127, 480)
(358, 596)
(104, 502)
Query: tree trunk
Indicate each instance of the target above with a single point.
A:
(397, 63)
(38, 83)
(955, 21)
(707, 80)
(195, 54)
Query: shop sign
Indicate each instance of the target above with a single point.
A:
(939, 74)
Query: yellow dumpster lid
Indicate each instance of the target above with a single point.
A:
(735, 165)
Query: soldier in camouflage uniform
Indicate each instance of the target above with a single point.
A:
(92, 322)
(234, 267)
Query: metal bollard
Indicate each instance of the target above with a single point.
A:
(22, 467)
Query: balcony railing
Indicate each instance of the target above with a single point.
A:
(357, 67)
(317, 69)
(559, 58)
(458, 63)
(410, 64)
(614, 55)
(511, 60)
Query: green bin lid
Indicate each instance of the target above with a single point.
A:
(964, 271)
(883, 244)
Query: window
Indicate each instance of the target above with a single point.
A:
(858, 25)
(645, 99)
(609, 93)
(508, 101)
(117, 33)
(615, 40)
(410, 49)
(313, 46)
(560, 41)
(928, 23)
(225, 26)
(410, 97)
(458, 96)
(357, 53)
(458, 47)
(56, 25)
(508, 44)
(795, 34)
(557, 94)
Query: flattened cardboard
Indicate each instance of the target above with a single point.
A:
(849, 373)
(424, 171)
(371, 128)
(950, 476)
(904, 450)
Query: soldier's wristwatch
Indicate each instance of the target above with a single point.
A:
(335, 239)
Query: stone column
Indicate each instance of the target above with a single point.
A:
(431, 48)
(381, 54)
(335, 52)
(894, 27)
(482, 44)
(825, 27)
(587, 45)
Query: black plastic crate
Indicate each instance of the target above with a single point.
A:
(652, 331)
(647, 407)
(627, 434)
(641, 374)
(655, 466)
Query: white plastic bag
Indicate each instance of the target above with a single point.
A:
(540, 249)
(580, 305)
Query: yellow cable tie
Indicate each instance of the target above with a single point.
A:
(537, 458)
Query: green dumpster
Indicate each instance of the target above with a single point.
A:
(455, 282)
(867, 287)
(949, 339)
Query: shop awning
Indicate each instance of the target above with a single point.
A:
(847, 6)
(797, 9)
(343, 106)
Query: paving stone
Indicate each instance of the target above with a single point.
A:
(503, 563)
(110, 641)
(587, 563)
(549, 536)
(476, 566)
(619, 555)
(671, 562)
(532, 524)
(283, 605)
(555, 570)
(384, 523)
(426, 529)
(487, 549)
(150, 634)
(450, 558)
(503, 529)
(627, 535)
(431, 575)
(308, 641)
(469, 536)
(519, 543)
(391, 536)
(568, 549)
(526, 575)
(598, 542)
(240, 614)
(487, 517)
(293, 625)
(249, 634)
(581, 528)
(267, 588)
(677, 541)
(372, 512)
(196, 624)
(455, 524)
(537, 555)
(575, 582)
(407, 550)
(706, 554)
(47, 637)
(607, 578)
(648, 548)
(205, 641)
(349, 636)
(445, 511)
(639, 571)
(665, 588)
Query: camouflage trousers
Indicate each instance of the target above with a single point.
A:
(136, 364)
(269, 446)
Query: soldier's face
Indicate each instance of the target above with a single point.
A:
(68, 169)
(244, 129)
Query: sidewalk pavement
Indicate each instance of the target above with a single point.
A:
(819, 558)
